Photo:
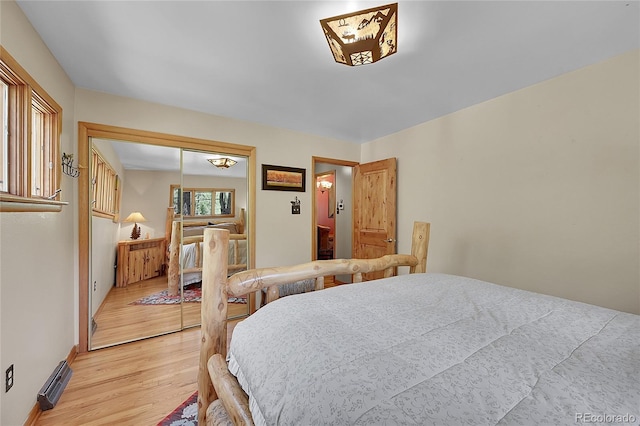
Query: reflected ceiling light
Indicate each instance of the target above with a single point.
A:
(222, 163)
(362, 37)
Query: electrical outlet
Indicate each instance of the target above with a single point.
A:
(8, 380)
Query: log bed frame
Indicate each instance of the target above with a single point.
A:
(221, 400)
(172, 237)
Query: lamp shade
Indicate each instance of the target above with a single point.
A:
(135, 217)
(362, 37)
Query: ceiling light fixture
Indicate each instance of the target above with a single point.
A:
(362, 37)
(222, 163)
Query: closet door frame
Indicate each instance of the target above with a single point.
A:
(87, 131)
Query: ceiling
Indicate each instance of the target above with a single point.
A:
(268, 61)
(139, 156)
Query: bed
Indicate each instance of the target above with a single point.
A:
(187, 257)
(420, 349)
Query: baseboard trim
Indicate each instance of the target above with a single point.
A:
(34, 415)
(72, 354)
(35, 412)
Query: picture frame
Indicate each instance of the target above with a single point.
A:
(281, 178)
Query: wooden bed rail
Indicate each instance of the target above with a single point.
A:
(228, 389)
(256, 279)
(216, 288)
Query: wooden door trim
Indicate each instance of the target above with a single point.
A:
(86, 131)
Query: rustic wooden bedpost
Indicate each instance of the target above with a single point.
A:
(420, 246)
(173, 275)
(213, 312)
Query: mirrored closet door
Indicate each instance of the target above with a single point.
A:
(213, 194)
(129, 297)
(147, 208)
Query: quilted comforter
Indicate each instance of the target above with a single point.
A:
(436, 349)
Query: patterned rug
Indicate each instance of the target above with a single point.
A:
(185, 415)
(191, 295)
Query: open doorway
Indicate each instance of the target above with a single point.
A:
(326, 208)
(332, 225)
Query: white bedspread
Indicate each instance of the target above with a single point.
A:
(436, 349)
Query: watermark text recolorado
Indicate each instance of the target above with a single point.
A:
(605, 418)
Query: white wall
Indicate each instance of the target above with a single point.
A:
(537, 189)
(104, 239)
(38, 254)
(104, 243)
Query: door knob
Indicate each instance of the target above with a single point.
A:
(389, 240)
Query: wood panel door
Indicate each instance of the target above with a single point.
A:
(374, 215)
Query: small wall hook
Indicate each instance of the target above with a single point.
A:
(67, 166)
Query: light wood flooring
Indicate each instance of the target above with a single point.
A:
(137, 383)
(118, 321)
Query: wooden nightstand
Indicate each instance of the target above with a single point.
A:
(139, 260)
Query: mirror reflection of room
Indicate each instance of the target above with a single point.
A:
(211, 197)
(132, 209)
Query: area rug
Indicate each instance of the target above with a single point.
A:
(191, 295)
(185, 415)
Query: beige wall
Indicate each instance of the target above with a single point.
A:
(38, 272)
(537, 189)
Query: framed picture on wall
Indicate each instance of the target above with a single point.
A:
(281, 178)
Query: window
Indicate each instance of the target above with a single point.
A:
(105, 188)
(4, 178)
(31, 124)
(203, 202)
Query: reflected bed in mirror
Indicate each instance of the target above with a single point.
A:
(144, 173)
(185, 254)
